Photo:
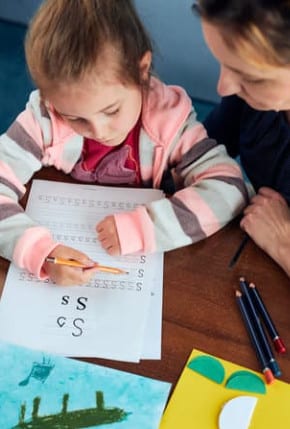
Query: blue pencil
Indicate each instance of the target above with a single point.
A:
(259, 304)
(261, 335)
(269, 377)
(239, 251)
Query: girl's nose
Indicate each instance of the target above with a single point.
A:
(228, 83)
(97, 131)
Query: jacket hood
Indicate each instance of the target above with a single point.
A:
(160, 98)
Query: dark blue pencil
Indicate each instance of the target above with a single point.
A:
(261, 335)
(259, 304)
(238, 251)
(269, 377)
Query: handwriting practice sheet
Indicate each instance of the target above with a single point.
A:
(115, 316)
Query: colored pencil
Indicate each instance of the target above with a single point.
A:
(277, 340)
(269, 377)
(238, 252)
(78, 264)
(261, 335)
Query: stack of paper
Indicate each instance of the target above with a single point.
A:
(48, 391)
(114, 316)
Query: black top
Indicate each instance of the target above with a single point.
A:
(261, 138)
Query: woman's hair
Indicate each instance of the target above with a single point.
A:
(259, 30)
(67, 38)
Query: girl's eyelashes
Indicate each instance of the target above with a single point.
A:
(74, 119)
(113, 112)
(83, 120)
(71, 119)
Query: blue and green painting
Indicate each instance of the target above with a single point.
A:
(41, 391)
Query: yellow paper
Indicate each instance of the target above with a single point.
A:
(197, 401)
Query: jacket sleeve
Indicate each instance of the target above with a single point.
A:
(211, 193)
(21, 154)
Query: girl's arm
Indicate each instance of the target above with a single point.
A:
(212, 193)
(24, 149)
(21, 153)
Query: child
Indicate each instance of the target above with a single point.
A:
(100, 116)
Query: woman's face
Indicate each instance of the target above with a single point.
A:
(262, 87)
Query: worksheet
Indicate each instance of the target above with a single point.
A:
(108, 317)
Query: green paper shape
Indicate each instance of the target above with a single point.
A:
(246, 381)
(209, 367)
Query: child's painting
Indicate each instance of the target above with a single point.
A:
(213, 393)
(41, 391)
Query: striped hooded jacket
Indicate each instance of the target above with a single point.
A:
(209, 185)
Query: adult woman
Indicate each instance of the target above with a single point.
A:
(251, 41)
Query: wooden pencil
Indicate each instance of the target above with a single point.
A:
(78, 264)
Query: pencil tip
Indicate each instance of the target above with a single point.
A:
(238, 293)
(279, 345)
(269, 376)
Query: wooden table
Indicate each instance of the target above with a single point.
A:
(199, 309)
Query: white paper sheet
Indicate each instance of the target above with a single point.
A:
(153, 327)
(106, 318)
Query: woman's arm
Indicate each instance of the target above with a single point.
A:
(267, 221)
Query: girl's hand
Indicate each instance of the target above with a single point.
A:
(267, 221)
(64, 275)
(108, 236)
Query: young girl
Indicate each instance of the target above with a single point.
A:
(100, 116)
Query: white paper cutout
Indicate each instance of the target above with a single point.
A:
(237, 413)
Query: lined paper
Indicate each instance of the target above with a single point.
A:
(110, 317)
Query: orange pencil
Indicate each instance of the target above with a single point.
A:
(74, 263)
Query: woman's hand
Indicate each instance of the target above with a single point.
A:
(64, 275)
(267, 221)
(108, 236)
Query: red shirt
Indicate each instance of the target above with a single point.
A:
(111, 165)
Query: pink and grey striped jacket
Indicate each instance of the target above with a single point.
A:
(209, 187)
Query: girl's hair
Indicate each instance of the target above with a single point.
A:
(66, 38)
(259, 30)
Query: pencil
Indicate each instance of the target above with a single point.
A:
(259, 329)
(277, 340)
(269, 377)
(77, 264)
(239, 251)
